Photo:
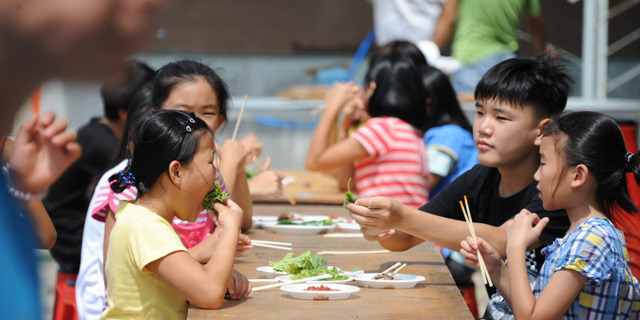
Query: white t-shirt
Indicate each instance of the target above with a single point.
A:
(90, 288)
(411, 20)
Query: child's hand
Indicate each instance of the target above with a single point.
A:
(239, 287)
(521, 233)
(266, 184)
(244, 243)
(354, 110)
(229, 215)
(42, 151)
(339, 94)
(468, 248)
(233, 152)
(253, 147)
(377, 213)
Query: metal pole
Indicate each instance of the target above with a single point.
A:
(602, 46)
(588, 48)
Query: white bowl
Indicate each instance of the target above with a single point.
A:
(404, 281)
(298, 291)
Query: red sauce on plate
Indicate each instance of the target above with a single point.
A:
(320, 288)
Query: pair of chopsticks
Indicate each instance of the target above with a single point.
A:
(275, 285)
(271, 244)
(467, 216)
(284, 192)
(398, 265)
(353, 252)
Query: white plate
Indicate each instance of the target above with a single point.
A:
(269, 272)
(296, 229)
(286, 278)
(258, 221)
(404, 281)
(350, 227)
(298, 291)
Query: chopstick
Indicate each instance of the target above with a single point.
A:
(275, 285)
(318, 109)
(343, 235)
(272, 242)
(284, 192)
(353, 252)
(400, 268)
(397, 264)
(269, 246)
(235, 131)
(483, 268)
(263, 280)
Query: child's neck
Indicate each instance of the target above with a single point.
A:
(156, 204)
(582, 213)
(516, 178)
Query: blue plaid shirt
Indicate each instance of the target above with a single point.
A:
(595, 249)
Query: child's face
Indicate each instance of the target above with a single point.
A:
(199, 178)
(198, 97)
(504, 134)
(553, 178)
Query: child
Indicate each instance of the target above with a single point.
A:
(583, 161)
(514, 100)
(449, 136)
(149, 271)
(387, 152)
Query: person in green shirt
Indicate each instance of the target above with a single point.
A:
(485, 34)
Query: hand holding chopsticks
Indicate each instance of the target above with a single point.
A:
(467, 216)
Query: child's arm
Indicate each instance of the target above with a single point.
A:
(205, 286)
(203, 251)
(322, 155)
(563, 287)
(231, 164)
(414, 226)
(109, 221)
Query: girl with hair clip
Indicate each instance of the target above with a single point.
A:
(449, 137)
(586, 274)
(149, 270)
(387, 153)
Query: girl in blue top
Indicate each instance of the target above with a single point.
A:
(586, 274)
(449, 136)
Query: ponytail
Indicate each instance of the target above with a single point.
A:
(122, 180)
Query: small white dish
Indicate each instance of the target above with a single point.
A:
(296, 229)
(299, 291)
(258, 221)
(286, 278)
(403, 281)
(349, 227)
(270, 273)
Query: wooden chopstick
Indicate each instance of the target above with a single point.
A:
(397, 264)
(353, 252)
(343, 235)
(235, 131)
(318, 109)
(275, 285)
(400, 268)
(483, 268)
(272, 242)
(263, 280)
(269, 246)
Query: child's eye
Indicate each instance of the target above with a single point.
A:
(479, 113)
(502, 118)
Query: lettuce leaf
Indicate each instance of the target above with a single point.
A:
(216, 195)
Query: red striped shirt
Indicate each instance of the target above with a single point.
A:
(397, 163)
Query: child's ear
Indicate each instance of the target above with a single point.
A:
(540, 131)
(579, 176)
(174, 173)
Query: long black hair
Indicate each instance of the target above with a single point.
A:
(182, 71)
(398, 90)
(596, 140)
(159, 138)
(444, 107)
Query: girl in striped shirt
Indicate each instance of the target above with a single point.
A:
(386, 154)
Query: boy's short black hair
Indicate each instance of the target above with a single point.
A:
(535, 82)
(117, 92)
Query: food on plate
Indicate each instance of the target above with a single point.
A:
(384, 276)
(305, 265)
(216, 195)
(309, 223)
(349, 197)
(290, 216)
(320, 288)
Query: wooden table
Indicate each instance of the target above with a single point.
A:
(435, 298)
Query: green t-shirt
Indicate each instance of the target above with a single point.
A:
(488, 27)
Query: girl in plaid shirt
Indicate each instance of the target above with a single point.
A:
(586, 274)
